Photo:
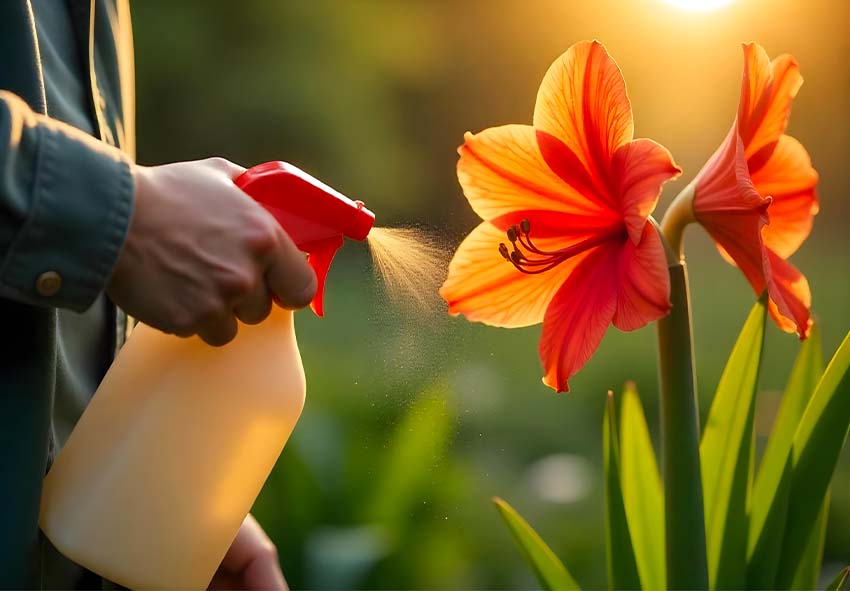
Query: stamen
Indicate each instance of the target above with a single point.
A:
(536, 260)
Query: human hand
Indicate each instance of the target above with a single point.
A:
(251, 563)
(200, 253)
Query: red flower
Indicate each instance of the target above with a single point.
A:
(756, 195)
(566, 202)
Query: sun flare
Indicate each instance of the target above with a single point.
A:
(700, 5)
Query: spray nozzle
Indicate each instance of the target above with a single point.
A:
(314, 215)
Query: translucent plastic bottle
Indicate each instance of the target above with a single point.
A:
(174, 447)
(171, 453)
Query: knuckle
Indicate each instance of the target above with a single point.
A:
(269, 550)
(220, 333)
(209, 310)
(218, 162)
(237, 283)
(263, 233)
(184, 323)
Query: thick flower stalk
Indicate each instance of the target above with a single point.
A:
(566, 237)
(756, 195)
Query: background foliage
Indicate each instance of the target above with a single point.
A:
(414, 421)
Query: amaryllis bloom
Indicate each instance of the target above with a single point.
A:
(756, 195)
(566, 238)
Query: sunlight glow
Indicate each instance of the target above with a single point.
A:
(700, 5)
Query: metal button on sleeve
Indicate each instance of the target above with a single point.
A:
(48, 283)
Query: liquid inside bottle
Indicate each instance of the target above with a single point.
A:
(170, 454)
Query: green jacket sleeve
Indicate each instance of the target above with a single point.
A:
(66, 200)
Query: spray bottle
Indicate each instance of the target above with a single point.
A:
(170, 454)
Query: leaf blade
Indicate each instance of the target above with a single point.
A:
(643, 498)
(768, 508)
(808, 572)
(726, 456)
(622, 568)
(839, 583)
(550, 571)
(817, 445)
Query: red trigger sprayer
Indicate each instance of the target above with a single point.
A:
(314, 215)
(167, 459)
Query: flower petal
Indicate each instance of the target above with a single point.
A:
(788, 177)
(767, 90)
(486, 288)
(567, 165)
(728, 206)
(643, 286)
(790, 296)
(583, 102)
(501, 170)
(579, 315)
(641, 168)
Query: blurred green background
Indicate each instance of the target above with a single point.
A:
(414, 420)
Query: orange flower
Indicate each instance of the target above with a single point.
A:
(566, 202)
(756, 195)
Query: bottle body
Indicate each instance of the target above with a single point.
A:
(166, 461)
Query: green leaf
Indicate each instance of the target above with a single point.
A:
(808, 572)
(726, 456)
(418, 443)
(768, 507)
(642, 496)
(839, 583)
(550, 572)
(622, 569)
(817, 446)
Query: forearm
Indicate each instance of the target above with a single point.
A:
(65, 205)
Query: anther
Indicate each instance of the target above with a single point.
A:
(528, 258)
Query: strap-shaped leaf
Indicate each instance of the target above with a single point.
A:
(642, 495)
(817, 446)
(839, 583)
(808, 572)
(768, 506)
(550, 571)
(726, 456)
(622, 569)
(421, 436)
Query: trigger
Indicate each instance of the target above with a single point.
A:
(320, 254)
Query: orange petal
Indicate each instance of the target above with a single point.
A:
(501, 170)
(578, 316)
(788, 177)
(790, 296)
(728, 206)
(767, 90)
(567, 165)
(641, 167)
(583, 102)
(486, 288)
(643, 286)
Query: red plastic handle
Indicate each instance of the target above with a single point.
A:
(314, 215)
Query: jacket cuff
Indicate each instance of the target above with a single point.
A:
(82, 204)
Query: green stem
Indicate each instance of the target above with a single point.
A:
(680, 430)
(676, 218)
